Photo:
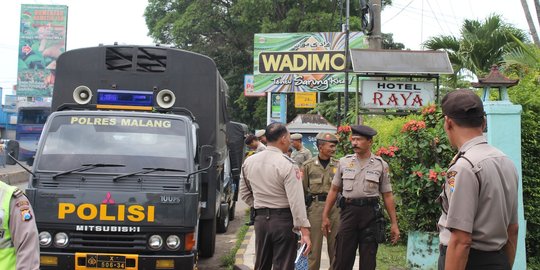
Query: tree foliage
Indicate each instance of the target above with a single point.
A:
(480, 45)
(224, 31)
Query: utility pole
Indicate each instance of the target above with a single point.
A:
(375, 39)
(347, 28)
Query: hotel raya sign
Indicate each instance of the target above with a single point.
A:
(403, 95)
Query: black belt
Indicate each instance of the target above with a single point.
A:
(320, 197)
(363, 201)
(272, 211)
(472, 251)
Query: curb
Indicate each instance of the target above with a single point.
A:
(239, 258)
(14, 178)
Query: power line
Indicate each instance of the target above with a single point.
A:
(436, 19)
(399, 11)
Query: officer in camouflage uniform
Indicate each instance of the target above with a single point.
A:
(318, 173)
(301, 154)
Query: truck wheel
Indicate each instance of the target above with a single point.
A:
(232, 210)
(207, 237)
(223, 221)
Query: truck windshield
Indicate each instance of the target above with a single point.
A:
(136, 142)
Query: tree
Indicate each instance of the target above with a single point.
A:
(530, 22)
(224, 31)
(480, 45)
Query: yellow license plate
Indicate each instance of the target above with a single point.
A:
(105, 261)
(101, 261)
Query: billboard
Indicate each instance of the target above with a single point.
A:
(302, 62)
(42, 39)
(409, 95)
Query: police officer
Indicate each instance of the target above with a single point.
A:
(301, 154)
(260, 134)
(19, 244)
(478, 227)
(361, 178)
(318, 174)
(272, 183)
(253, 143)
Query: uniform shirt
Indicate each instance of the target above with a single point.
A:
(274, 181)
(364, 181)
(24, 233)
(317, 179)
(300, 156)
(260, 147)
(481, 200)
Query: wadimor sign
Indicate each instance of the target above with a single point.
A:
(302, 62)
(397, 94)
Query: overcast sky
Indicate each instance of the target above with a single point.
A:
(91, 22)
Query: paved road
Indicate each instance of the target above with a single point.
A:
(225, 241)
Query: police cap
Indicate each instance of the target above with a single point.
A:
(462, 104)
(296, 136)
(259, 133)
(363, 131)
(327, 137)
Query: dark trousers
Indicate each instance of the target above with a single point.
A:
(356, 231)
(275, 242)
(480, 260)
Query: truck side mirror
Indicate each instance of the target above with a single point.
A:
(205, 154)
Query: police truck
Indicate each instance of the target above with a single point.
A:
(138, 165)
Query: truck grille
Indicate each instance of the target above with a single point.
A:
(102, 242)
(92, 182)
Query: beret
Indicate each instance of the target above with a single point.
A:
(363, 131)
(260, 133)
(327, 136)
(462, 104)
(296, 136)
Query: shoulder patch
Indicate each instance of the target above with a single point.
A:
(18, 193)
(26, 215)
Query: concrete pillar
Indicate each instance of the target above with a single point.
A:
(504, 132)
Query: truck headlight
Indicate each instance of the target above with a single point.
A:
(155, 242)
(45, 238)
(173, 242)
(61, 240)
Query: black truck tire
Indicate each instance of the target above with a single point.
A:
(223, 221)
(207, 237)
(232, 211)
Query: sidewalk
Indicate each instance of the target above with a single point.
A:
(245, 256)
(13, 174)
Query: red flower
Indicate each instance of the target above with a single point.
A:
(418, 173)
(433, 175)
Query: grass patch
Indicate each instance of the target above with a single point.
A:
(229, 259)
(392, 257)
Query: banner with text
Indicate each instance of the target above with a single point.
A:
(42, 39)
(303, 62)
(396, 94)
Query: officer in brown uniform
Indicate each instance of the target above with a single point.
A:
(260, 134)
(318, 174)
(19, 244)
(478, 227)
(272, 183)
(361, 178)
(301, 154)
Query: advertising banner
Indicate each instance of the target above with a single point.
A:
(303, 62)
(249, 87)
(42, 39)
(305, 100)
(397, 94)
